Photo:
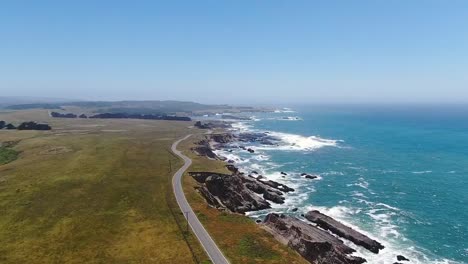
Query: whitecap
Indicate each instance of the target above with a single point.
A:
(298, 142)
(421, 172)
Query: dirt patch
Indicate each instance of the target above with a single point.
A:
(55, 150)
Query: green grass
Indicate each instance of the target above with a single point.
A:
(251, 247)
(107, 199)
(7, 155)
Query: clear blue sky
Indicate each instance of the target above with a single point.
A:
(236, 51)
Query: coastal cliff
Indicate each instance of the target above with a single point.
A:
(318, 238)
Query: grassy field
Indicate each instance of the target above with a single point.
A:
(7, 155)
(239, 237)
(91, 191)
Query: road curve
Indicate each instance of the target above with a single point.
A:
(214, 253)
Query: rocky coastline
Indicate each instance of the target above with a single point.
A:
(318, 238)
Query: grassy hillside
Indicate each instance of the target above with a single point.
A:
(91, 191)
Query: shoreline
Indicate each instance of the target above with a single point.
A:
(224, 139)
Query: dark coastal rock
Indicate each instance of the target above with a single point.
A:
(252, 137)
(283, 173)
(236, 192)
(258, 187)
(228, 191)
(314, 244)
(295, 209)
(254, 172)
(278, 186)
(271, 196)
(33, 126)
(222, 138)
(401, 258)
(232, 194)
(200, 176)
(204, 151)
(258, 221)
(308, 176)
(232, 168)
(344, 231)
(251, 150)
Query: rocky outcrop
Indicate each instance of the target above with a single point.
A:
(33, 126)
(343, 231)
(222, 138)
(401, 258)
(229, 191)
(277, 185)
(237, 192)
(308, 176)
(314, 244)
(203, 149)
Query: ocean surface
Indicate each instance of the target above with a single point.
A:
(397, 173)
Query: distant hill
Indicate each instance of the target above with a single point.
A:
(6, 101)
(134, 107)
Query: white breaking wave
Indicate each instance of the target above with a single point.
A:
(421, 172)
(298, 142)
(387, 233)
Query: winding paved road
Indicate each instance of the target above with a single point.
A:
(207, 242)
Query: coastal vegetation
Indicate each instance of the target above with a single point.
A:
(7, 155)
(89, 191)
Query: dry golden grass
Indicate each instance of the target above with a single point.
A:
(91, 191)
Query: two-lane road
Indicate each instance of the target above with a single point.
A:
(207, 242)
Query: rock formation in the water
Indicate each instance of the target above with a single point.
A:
(401, 258)
(313, 243)
(343, 231)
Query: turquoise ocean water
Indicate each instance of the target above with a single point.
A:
(397, 173)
